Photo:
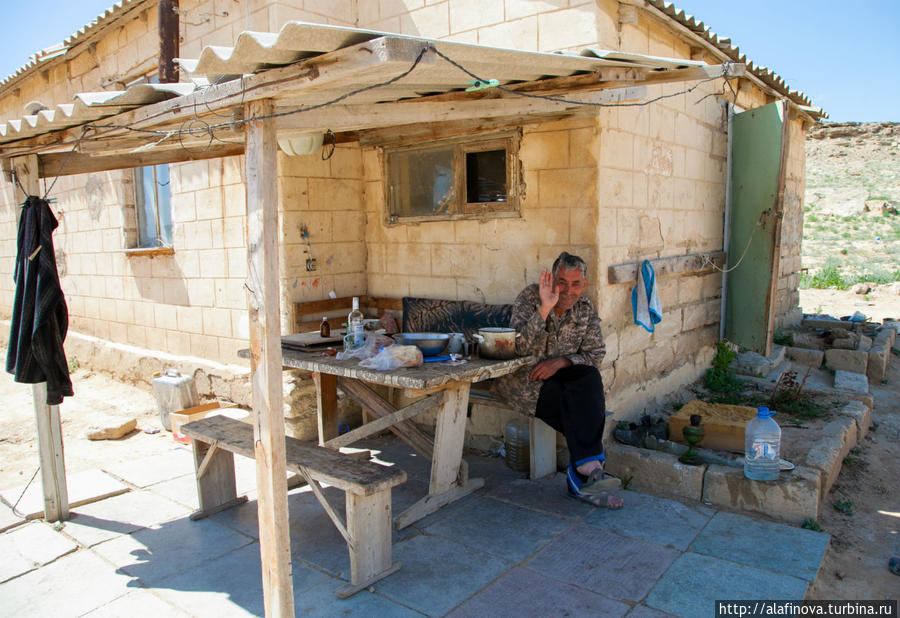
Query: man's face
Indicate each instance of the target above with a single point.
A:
(570, 284)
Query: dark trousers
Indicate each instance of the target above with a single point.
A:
(572, 402)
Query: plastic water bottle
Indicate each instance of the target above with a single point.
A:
(518, 444)
(762, 447)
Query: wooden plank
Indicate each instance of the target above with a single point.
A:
(449, 434)
(733, 69)
(678, 265)
(214, 473)
(55, 164)
(432, 502)
(49, 430)
(424, 377)
(543, 449)
(369, 525)
(778, 217)
(384, 422)
(265, 361)
(329, 510)
(347, 472)
(352, 117)
(326, 402)
(405, 430)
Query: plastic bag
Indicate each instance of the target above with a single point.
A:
(367, 350)
(393, 357)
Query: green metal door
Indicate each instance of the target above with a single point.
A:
(758, 154)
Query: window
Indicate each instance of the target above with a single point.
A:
(453, 179)
(153, 202)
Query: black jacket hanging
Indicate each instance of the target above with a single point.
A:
(40, 317)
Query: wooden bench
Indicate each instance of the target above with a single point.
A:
(367, 487)
(307, 316)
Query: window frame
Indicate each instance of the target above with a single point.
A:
(463, 209)
(139, 202)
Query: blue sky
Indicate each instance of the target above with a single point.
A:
(841, 54)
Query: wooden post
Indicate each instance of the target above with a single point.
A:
(49, 430)
(169, 37)
(265, 360)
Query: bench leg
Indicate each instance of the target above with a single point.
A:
(369, 528)
(543, 449)
(216, 488)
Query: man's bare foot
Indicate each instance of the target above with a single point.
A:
(603, 501)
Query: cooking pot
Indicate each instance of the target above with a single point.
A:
(497, 342)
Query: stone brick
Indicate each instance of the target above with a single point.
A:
(861, 414)
(701, 314)
(827, 454)
(810, 358)
(545, 150)
(570, 28)
(793, 497)
(471, 14)
(654, 471)
(519, 34)
(879, 357)
(849, 381)
(853, 361)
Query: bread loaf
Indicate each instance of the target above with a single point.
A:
(405, 355)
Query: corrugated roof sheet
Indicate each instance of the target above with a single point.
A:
(767, 75)
(257, 51)
(60, 49)
(254, 52)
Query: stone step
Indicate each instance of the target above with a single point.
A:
(754, 364)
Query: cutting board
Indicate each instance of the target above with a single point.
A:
(303, 341)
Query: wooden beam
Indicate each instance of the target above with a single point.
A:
(265, 361)
(680, 264)
(735, 69)
(49, 428)
(65, 164)
(385, 422)
(355, 117)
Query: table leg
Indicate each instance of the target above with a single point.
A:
(447, 485)
(326, 399)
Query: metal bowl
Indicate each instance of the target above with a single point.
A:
(430, 343)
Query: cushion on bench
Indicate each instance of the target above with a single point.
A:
(451, 316)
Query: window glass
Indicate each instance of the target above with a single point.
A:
(486, 176)
(153, 204)
(421, 182)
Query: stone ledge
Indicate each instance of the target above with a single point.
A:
(860, 413)
(654, 471)
(792, 498)
(827, 455)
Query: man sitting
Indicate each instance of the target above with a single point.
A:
(564, 389)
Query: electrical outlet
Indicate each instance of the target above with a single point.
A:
(311, 264)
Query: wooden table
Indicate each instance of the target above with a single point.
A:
(442, 384)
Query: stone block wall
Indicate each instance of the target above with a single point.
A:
(326, 199)
(191, 302)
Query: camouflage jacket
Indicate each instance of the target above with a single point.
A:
(574, 334)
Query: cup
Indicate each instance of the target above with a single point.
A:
(456, 343)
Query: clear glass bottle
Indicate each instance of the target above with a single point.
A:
(325, 328)
(355, 333)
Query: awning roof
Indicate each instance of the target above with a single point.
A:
(343, 79)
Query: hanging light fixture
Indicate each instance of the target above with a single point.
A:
(297, 144)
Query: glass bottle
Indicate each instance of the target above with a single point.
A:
(355, 326)
(325, 328)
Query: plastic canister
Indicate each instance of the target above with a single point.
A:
(517, 442)
(174, 392)
(762, 447)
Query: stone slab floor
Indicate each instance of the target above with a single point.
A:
(516, 547)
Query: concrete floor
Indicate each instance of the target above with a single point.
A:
(516, 547)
